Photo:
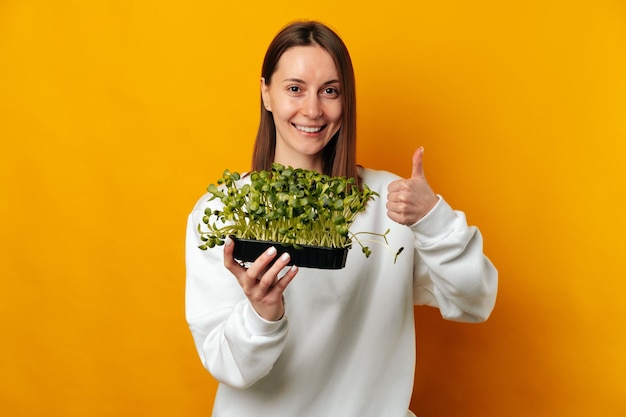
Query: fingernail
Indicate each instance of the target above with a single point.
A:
(285, 257)
(294, 268)
(271, 251)
(228, 241)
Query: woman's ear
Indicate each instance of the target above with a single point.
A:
(265, 95)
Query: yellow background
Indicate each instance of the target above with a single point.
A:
(115, 116)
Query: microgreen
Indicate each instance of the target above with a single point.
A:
(290, 206)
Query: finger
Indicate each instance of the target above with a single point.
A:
(398, 186)
(418, 169)
(261, 263)
(229, 261)
(270, 277)
(286, 279)
(394, 186)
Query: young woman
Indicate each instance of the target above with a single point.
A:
(286, 342)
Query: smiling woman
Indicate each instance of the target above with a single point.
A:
(345, 346)
(311, 65)
(305, 103)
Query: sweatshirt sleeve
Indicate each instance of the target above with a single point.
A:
(235, 344)
(451, 271)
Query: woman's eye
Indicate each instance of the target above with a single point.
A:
(331, 91)
(294, 89)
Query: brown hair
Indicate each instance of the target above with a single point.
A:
(339, 155)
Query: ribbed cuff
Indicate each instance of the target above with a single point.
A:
(435, 225)
(257, 324)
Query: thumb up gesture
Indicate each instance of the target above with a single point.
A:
(408, 200)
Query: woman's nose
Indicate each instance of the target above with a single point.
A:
(312, 107)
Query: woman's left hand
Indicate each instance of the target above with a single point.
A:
(408, 200)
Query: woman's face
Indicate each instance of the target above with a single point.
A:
(304, 97)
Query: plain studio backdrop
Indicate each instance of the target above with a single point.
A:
(116, 115)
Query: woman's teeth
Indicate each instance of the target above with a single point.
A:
(309, 129)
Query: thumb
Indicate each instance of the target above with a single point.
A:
(418, 169)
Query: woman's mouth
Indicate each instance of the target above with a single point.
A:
(309, 129)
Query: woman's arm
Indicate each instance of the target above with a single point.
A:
(451, 271)
(235, 344)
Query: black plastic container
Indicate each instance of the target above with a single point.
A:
(248, 250)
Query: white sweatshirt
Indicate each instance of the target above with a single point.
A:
(346, 345)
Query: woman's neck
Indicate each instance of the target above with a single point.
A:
(301, 161)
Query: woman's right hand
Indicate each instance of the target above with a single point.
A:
(261, 283)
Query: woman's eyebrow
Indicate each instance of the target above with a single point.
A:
(297, 80)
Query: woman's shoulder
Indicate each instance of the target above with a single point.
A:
(375, 178)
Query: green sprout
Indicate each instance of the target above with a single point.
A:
(290, 206)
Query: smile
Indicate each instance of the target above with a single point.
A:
(309, 129)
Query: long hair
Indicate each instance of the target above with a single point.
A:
(339, 155)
